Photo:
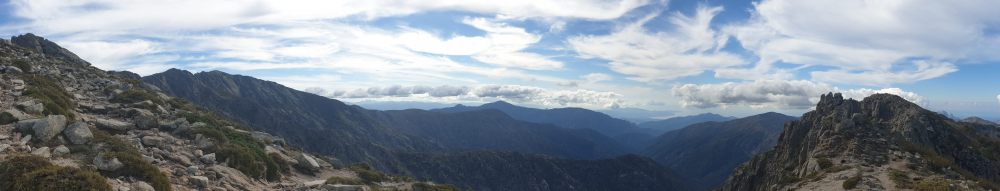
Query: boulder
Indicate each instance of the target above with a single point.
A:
(107, 163)
(49, 127)
(25, 140)
(179, 123)
(60, 150)
(42, 152)
(208, 159)
(3, 147)
(199, 181)
(31, 106)
(25, 125)
(111, 124)
(78, 133)
(143, 119)
(307, 161)
(140, 186)
(12, 70)
(18, 114)
(203, 142)
(154, 141)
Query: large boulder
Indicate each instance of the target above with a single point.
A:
(144, 119)
(25, 125)
(31, 106)
(155, 141)
(199, 181)
(42, 152)
(49, 127)
(60, 150)
(141, 186)
(208, 159)
(307, 161)
(78, 133)
(111, 124)
(107, 163)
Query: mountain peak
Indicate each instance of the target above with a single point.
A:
(499, 103)
(46, 48)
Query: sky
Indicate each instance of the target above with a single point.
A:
(730, 57)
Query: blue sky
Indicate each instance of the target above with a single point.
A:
(730, 57)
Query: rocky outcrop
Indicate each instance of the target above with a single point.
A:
(46, 48)
(868, 141)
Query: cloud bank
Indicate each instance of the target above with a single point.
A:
(515, 93)
(779, 94)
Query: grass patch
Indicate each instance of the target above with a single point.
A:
(824, 163)
(343, 180)
(243, 152)
(420, 186)
(23, 65)
(7, 118)
(135, 166)
(28, 172)
(368, 175)
(931, 185)
(851, 182)
(56, 100)
(901, 179)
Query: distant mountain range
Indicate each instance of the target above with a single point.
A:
(674, 123)
(709, 151)
(573, 118)
(390, 140)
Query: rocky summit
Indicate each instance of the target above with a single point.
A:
(880, 143)
(65, 125)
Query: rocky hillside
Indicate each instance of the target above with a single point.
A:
(709, 151)
(66, 125)
(880, 143)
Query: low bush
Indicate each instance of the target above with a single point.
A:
(901, 179)
(851, 182)
(55, 99)
(7, 118)
(824, 163)
(367, 174)
(343, 180)
(30, 172)
(134, 165)
(243, 152)
(931, 185)
(433, 187)
(23, 65)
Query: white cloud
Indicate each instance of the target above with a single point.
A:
(780, 94)
(507, 45)
(596, 77)
(998, 98)
(515, 93)
(55, 16)
(690, 49)
(875, 43)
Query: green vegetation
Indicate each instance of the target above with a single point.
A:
(824, 163)
(343, 180)
(28, 172)
(901, 179)
(7, 118)
(368, 175)
(420, 186)
(23, 65)
(56, 100)
(931, 185)
(852, 182)
(242, 151)
(134, 95)
(135, 166)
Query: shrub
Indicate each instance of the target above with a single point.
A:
(134, 165)
(824, 163)
(367, 174)
(56, 100)
(7, 118)
(901, 179)
(61, 178)
(28, 172)
(852, 182)
(23, 65)
(243, 152)
(932, 185)
(343, 180)
(420, 186)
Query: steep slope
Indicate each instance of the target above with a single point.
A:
(709, 151)
(574, 118)
(882, 142)
(312, 122)
(532, 172)
(675, 123)
(65, 125)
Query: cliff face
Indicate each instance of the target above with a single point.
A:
(881, 142)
